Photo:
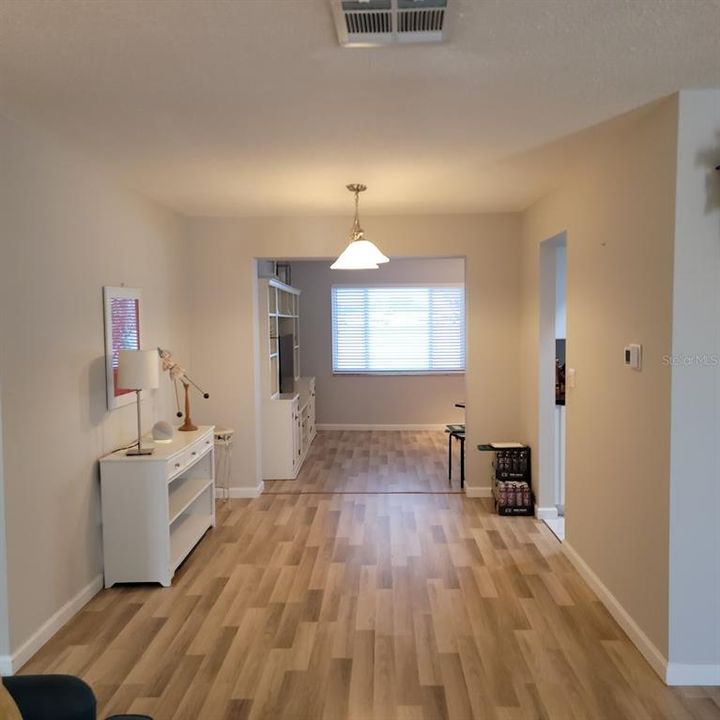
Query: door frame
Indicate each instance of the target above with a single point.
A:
(547, 464)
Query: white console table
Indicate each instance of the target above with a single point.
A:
(156, 508)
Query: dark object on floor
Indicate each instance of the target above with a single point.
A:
(56, 697)
(512, 479)
(559, 383)
(457, 432)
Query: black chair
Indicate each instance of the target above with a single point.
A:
(56, 697)
(457, 432)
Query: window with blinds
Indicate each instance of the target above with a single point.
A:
(398, 329)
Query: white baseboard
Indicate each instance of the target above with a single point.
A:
(366, 428)
(71, 608)
(240, 492)
(478, 492)
(705, 675)
(658, 662)
(546, 513)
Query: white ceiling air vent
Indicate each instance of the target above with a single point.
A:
(364, 23)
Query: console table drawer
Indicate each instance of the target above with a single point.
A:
(176, 464)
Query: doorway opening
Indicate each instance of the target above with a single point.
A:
(375, 374)
(551, 383)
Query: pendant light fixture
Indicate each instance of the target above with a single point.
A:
(360, 254)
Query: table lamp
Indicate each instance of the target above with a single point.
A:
(138, 370)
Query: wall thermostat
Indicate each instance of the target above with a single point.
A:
(633, 356)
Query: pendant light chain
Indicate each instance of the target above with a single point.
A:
(357, 231)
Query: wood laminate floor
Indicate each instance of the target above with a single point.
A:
(357, 461)
(387, 606)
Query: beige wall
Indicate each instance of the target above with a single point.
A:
(367, 399)
(618, 211)
(695, 471)
(223, 317)
(4, 617)
(66, 232)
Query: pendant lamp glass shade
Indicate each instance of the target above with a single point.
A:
(360, 254)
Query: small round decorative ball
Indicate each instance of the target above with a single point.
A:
(163, 432)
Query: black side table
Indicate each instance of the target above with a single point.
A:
(457, 432)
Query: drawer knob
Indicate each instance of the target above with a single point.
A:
(177, 465)
(193, 453)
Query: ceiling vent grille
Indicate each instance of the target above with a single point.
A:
(368, 23)
(365, 23)
(421, 21)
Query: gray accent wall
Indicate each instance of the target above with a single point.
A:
(372, 399)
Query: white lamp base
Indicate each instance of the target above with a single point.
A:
(139, 450)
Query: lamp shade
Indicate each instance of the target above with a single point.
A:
(360, 255)
(138, 369)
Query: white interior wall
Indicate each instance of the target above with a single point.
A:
(695, 463)
(368, 399)
(224, 313)
(68, 231)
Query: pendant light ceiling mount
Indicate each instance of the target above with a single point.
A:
(360, 254)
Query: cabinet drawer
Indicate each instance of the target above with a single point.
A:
(176, 465)
(191, 454)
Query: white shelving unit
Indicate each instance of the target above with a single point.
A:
(288, 418)
(156, 508)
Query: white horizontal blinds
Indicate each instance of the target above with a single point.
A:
(350, 329)
(447, 329)
(398, 329)
(125, 331)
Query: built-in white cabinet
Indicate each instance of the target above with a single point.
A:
(156, 508)
(306, 407)
(288, 398)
